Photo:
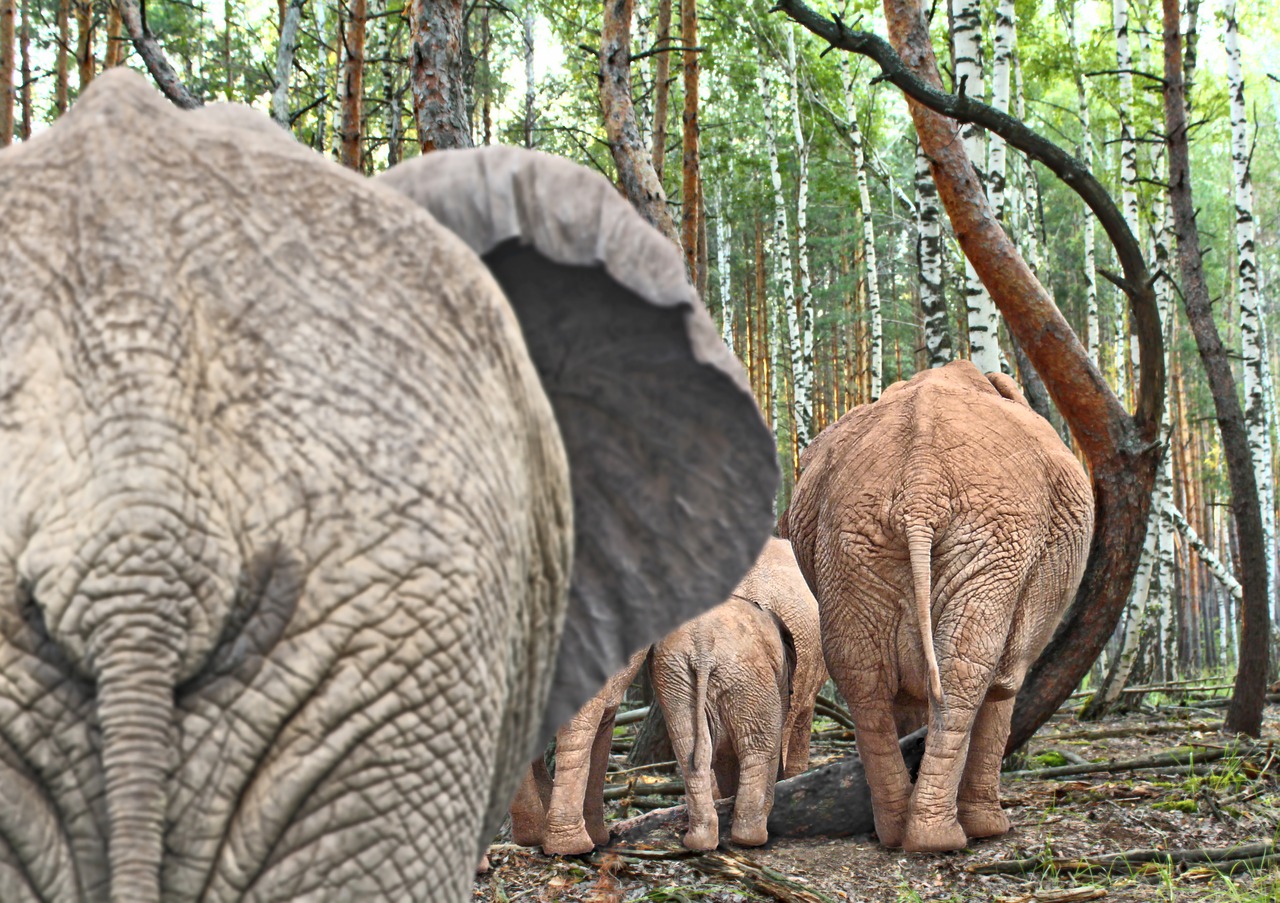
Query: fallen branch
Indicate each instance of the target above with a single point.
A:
(1108, 733)
(732, 866)
(1185, 758)
(832, 800)
(631, 788)
(631, 717)
(835, 713)
(1129, 860)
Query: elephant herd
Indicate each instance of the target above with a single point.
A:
(326, 501)
(944, 528)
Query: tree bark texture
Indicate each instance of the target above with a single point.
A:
(116, 49)
(24, 69)
(869, 243)
(691, 185)
(62, 61)
(153, 56)
(85, 63)
(933, 299)
(353, 74)
(661, 88)
(1253, 350)
(8, 18)
(284, 63)
(1244, 715)
(1121, 448)
(530, 88)
(636, 176)
(437, 36)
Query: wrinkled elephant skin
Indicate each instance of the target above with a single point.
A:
(298, 500)
(738, 686)
(943, 528)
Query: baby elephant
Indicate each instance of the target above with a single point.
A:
(731, 684)
(566, 816)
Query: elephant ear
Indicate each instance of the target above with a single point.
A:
(673, 468)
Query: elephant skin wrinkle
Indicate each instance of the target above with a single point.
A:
(289, 515)
(944, 529)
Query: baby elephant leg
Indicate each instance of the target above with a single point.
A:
(978, 803)
(529, 808)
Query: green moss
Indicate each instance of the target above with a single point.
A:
(1050, 759)
(1188, 806)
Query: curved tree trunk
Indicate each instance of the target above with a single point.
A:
(1244, 715)
(1120, 448)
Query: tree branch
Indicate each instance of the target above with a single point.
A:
(153, 55)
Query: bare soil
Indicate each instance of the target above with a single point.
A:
(1236, 803)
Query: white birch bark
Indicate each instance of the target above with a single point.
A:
(802, 341)
(1162, 496)
(984, 334)
(779, 252)
(1086, 153)
(1029, 235)
(284, 62)
(1222, 571)
(1252, 304)
(868, 239)
(1128, 168)
(933, 301)
(340, 94)
(390, 88)
(724, 235)
(322, 77)
(1001, 74)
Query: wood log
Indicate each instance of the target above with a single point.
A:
(832, 801)
(1178, 758)
(1130, 859)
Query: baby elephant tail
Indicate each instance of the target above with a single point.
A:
(701, 721)
(920, 547)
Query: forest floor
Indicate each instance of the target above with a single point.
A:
(1221, 805)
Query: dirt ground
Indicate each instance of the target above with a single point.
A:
(1236, 802)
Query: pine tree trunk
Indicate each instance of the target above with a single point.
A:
(690, 190)
(352, 155)
(636, 175)
(1253, 308)
(802, 362)
(1244, 715)
(62, 62)
(437, 41)
(24, 70)
(661, 89)
(984, 320)
(116, 49)
(85, 63)
(8, 17)
(284, 62)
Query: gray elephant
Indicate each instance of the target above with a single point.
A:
(321, 512)
(943, 528)
(738, 691)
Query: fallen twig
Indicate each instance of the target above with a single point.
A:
(1131, 860)
(1176, 758)
(1108, 733)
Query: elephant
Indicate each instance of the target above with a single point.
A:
(943, 529)
(737, 700)
(325, 500)
(565, 816)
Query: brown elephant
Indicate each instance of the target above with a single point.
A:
(738, 698)
(943, 528)
(565, 816)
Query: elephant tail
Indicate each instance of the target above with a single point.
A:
(920, 547)
(701, 721)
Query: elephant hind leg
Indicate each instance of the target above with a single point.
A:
(529, 808)
(593, 804)
(978, 802)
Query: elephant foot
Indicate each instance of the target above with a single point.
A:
(526, 836)
(568, 843)
(599, 834)
(983, 820)
(482, 868)
(889, 829)
(753, 833)
(702, 838)
(936, 837)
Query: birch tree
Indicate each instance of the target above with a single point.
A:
(1087, 157)
(778, 249)
(1252, 305)
(724, 236)
(984, 320)
(284, 62)
(801, 351)
(933, 300)
(661, 87)
(1128, 162)
(869, 241)
(1001, 74)
(530, 86)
